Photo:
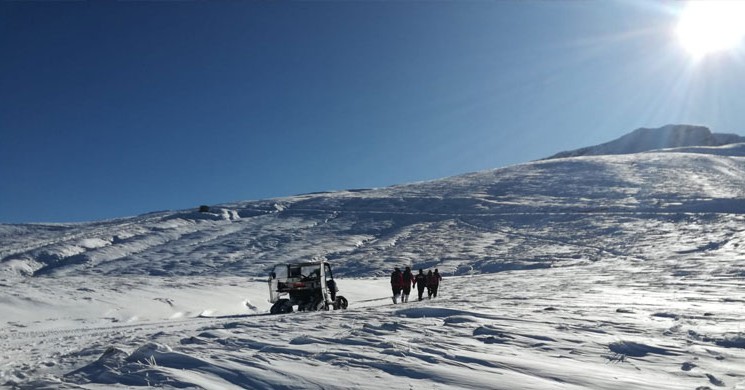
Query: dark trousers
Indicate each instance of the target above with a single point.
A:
(420, 290)
(433, 291)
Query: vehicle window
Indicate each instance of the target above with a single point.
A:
(280, 272)
(311, 270)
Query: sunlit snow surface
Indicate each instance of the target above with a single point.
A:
(599, 272)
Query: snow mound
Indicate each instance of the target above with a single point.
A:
(148, 365)
(634, 349)
(736, 341)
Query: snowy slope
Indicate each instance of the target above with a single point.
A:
(481, 222)
(595, 272)
(448, 223)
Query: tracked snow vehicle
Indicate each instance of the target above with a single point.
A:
(309, 286)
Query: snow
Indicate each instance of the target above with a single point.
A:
(644, 139)
(594, 272)
(588, 327)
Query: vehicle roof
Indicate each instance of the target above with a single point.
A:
(306, 263)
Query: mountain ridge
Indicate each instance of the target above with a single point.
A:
(647, 139)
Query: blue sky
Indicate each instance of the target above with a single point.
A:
(117, 109)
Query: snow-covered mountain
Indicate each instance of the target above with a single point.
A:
(643, 139)
(524, 216)
(592, 272)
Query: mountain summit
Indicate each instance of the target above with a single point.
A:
(644, 139)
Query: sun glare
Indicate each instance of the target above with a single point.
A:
(711, 26)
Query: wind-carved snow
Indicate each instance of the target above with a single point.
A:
(596, 326)
(595, 272)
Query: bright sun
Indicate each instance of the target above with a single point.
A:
(710, 26)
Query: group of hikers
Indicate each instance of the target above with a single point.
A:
(401, 283)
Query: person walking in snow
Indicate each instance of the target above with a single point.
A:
(435, 282)
(397, 284)
(420, 281)
(429, 284)
(408, 279)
